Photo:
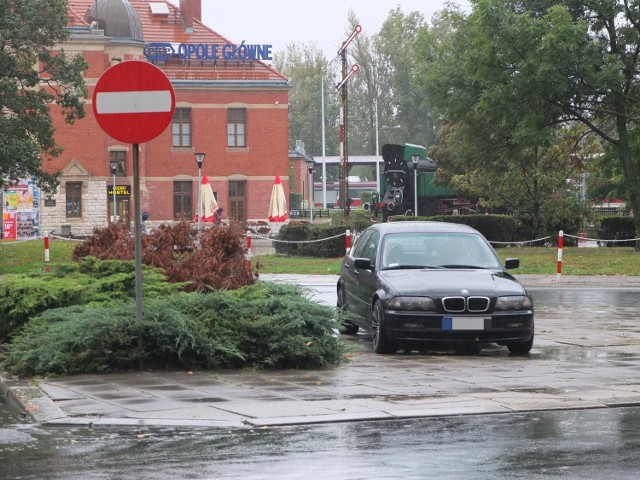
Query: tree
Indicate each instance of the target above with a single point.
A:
(32, 77)
(538, 184)
(384, 93)
(526, 66)
(309, 72)
(405, 111)
(362, 88)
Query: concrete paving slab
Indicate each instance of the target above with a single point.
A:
(59, 394)
(294, 408)
(208, 413)
(449, 411)
(318, 419)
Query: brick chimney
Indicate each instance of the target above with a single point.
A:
(190, 10)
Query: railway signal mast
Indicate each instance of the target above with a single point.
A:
(344, 151)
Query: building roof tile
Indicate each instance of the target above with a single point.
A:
(170, 28)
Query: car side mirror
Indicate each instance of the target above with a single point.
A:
(511, 263)
(362, 263)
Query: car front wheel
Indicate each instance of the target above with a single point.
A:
(348, 328)
(521, 348)
(379, 338)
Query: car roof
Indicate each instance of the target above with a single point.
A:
(421, 226)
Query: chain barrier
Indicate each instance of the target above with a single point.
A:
(57, 237)
(40, 237)
(493, 242)
(256, 235)
(15, 242)
(522, 242)
(601, 239)
(264, 237)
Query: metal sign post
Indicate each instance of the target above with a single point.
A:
(134, 102)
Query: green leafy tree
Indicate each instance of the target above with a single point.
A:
(33, 76)
(309, 72)
(362, 91)
(385, 92)
(405, 114)
(525, 66)
(605, 179)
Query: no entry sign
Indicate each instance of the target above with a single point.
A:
(134, 101)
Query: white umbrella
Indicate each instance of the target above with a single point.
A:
(208, 199)
(278, 203)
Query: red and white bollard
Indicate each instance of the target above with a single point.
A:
(249, 250)
(348, 241)
(47, 267)
(560, 242)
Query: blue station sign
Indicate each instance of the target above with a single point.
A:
(207, 51)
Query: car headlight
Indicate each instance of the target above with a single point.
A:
(412, 303)
(514, 302)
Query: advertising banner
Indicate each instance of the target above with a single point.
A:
(20, 212)
(9, 226)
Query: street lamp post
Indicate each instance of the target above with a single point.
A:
(199, 161)
(311, 191)
(415, 159)
(113, 164)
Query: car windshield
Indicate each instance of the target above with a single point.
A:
(437, 250)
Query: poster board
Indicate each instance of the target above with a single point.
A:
(20, 211)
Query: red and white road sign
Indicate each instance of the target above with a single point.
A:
(134, 101)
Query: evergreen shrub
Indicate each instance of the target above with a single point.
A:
(306, 240)
(617, 228)
(90, 281)
(264, 325)
(495, 228)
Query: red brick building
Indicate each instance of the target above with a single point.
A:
(230, 104)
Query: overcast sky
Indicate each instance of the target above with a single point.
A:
(304, 21)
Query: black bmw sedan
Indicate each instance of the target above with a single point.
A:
(423, 282)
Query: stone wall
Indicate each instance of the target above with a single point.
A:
(94, 210)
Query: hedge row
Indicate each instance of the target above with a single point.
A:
(617, 228)
(496, 228)
(304, 239)
(311, 240)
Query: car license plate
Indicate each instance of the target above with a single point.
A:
(463, 323)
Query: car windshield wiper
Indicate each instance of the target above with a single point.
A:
(463, 266)
(408, 267)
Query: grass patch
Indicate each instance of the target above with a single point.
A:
(28, 256)
(301, 265)
(621, 261)
(22, 257)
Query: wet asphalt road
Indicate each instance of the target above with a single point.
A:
(602, 443)
(584, 444)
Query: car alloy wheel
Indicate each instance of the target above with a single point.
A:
(348, 328)
(381, 343)
(520, 348)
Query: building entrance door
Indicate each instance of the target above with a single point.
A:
(237, 201)
(122, 210)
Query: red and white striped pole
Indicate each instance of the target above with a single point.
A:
(47, 267)
(560, 242)
(348, 241)
(249, 250)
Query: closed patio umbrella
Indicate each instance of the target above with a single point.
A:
(278, 203)
(208, 199)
